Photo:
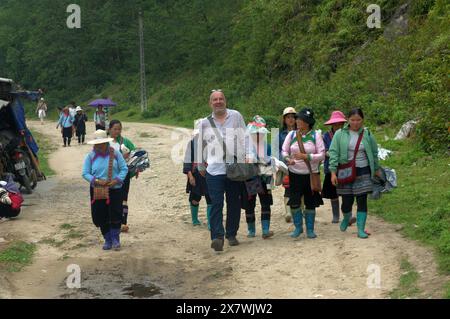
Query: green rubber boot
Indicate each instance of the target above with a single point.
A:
(251, 228)
(361, 218)
(345, 221)
(266, 232)
(194, 215)
(310, 218)
(297, 216)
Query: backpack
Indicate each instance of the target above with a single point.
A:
(16, 200)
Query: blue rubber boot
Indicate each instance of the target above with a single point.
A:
(310, 218)
(266, 232)
(297, 216)
(361, 218)
(208, 215)
(345, 221)
(194, 215)
(115, 238)
(108, 241)
(251, 230)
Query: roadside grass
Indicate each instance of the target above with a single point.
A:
(147, 135)
(74, 234)
(17, 255)
(421, 202)
(66, 226)
(52, 242)
(407, 287)
(45, 149)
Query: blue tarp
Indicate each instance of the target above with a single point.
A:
(19, 117)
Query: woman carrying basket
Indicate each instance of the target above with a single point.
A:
(105, 169)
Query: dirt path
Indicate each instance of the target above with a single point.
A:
(164, 256)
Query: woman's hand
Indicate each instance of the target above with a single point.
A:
(112, 183)
(290, 161)
(334, 180)
(378, 173)
(300, 156)
(101, 182)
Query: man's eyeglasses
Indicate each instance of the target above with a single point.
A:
(216, 90)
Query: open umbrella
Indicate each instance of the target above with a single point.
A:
(102, 102)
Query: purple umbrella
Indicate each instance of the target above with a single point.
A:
(102, 102)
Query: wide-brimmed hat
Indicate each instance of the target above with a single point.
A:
(257, 125)
(289, 110)
(336, 117)
(307, 115)
(78, 108)
(100, 137)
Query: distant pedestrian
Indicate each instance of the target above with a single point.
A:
(41, 110)
(80, 125)
(67, 128)
(100, 118)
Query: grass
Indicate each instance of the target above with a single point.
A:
(78, 246)
(147, 135)
(421, 202)
(66, 226)
(45, 149)
(407, 287)
(17, 255)
(73, 234)
(52, 242)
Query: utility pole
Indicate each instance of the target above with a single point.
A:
(142, 62)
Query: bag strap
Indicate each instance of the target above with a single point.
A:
(111, 162)
(302, 149)
(218, 136)
(65, 121)
(357, 144)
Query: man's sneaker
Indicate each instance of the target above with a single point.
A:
(217, 244)
(232, 241)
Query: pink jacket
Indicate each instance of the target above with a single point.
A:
(316, 151)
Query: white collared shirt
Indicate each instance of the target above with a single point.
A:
(233, 132)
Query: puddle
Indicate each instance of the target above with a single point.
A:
(104, 285)
(142, 291)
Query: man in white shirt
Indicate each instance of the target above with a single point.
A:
(231, 127)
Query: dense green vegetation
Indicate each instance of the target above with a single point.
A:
(421, 202)
(265, 54)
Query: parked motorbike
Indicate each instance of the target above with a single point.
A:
(15, 159)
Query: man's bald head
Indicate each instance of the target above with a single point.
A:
(218, 103)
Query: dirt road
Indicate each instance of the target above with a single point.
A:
(164, 256)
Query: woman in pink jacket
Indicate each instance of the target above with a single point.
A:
(299, 174)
